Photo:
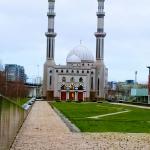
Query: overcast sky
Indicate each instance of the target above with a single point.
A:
(127, 24)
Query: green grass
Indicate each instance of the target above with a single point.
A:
(21, 101)
(135, 121)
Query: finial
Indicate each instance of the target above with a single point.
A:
(80, 42)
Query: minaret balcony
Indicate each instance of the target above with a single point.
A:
(100, 14)
(51, 14)
(100, 34)
(50, 34)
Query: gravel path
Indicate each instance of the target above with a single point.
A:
(44, 130)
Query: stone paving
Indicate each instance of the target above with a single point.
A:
(44, 130)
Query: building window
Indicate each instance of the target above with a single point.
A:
(77, 71)
(72, 79)
(62, 71)
(50, 80)
(72, 71)
(92, 72)
(82, 71)
(87, 71)
(91, 83)
(80, 87)
(50, 71)
(57, 71)
(98, 87)
(67, 71)
(63, 87)
(63, 79)
(81, 79)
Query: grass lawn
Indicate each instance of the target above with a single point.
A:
(22, 101)
(137, 120)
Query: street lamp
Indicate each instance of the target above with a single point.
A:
(149, 85)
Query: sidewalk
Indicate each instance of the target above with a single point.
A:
(44, 130)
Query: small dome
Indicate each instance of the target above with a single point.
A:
(73, 58)
(82, 53)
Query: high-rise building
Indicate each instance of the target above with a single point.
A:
(82, 78)
(1, 66)
(15, 73)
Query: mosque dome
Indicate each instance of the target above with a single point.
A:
(73, 58)
(80, 54)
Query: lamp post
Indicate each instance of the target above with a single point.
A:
(149, 85)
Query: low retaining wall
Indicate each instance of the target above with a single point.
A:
(11, 119)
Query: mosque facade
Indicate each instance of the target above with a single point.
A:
(83, 78)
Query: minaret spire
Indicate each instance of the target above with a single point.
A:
(100, 34)
(51, 34)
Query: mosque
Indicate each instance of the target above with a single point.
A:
(82, 78)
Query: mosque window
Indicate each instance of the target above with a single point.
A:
(80, 87)
(91, 83)
(72, 87)
(81, 79)
(63, 87)
(98, 87)
(50, 80)
(72, 79)
(63, 79)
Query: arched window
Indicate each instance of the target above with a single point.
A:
(50, 80)
(81, 79)
(98, 87)
(72, 79)
(72, 87)
(63, 79)
(80, 87)
(91, 83)
(63, 87)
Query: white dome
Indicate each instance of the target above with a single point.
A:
(73, 58)
(82, 53)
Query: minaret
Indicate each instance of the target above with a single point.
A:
(51, 34)
(100, 34)
(100, 66)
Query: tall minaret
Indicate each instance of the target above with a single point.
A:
(100, 66)
(100, 34)
(51, 34)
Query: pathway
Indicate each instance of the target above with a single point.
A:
(110, 114)
(137, 106)
(44, 130)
